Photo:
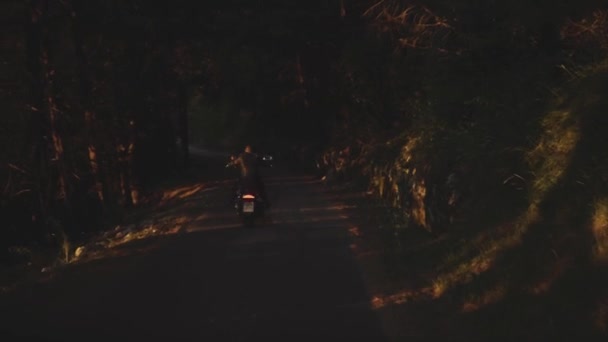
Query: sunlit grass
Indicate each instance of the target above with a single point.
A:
(476, 259)
(105, 245)
(488, 249)
(399, 175)
(550, 158)
(543, 285)
(552, 155)
(145, 232)
(419, 208)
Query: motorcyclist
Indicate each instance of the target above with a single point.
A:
(248, 163)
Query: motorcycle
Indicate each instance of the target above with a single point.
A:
(248, 204)
(247, 201)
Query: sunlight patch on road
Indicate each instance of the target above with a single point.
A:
(354, 231)
(360, 251)
(489, 297)
(180, 193)
(405, 296)
(201, 217)
(190, 191)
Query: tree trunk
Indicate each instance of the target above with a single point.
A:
(57, 142)
(91, 127)
(123, 172)
(38, 120)
(125, 149)
(47, 143)
(132, 189)
(183, 125)
(48, 148)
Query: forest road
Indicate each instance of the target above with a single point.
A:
(292, 277)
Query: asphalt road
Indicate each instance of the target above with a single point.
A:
(291, 278)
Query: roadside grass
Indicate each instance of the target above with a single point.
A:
(531, 265)
(155, 216)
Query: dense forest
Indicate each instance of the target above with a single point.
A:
(481, 120)
(103, 98)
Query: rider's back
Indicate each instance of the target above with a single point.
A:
(248, 163)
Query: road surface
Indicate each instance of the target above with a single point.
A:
(291, 278)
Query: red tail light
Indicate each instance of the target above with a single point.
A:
(248, 197)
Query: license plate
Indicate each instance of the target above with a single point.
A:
(248, 207)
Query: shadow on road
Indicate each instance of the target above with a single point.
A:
(293, 277)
